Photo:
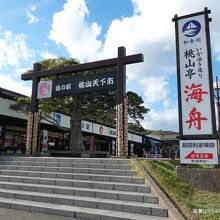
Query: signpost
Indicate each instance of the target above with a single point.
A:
(195, 84)
(83, 84)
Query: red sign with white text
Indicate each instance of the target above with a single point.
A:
(194, 155)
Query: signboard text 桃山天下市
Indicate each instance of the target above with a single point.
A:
(78, 85)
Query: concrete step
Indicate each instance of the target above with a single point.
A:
(70, 170)
(67, 160)
(85, 188)
(77, 183)
(75, 176)
(87, 202)
(73, 211)
(68, 164)
(78, 191)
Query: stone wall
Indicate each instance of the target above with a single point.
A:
(205, 179)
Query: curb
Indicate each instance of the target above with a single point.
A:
(173, 209)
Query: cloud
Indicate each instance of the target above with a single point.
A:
(167, 119)
(155, 89)
(13, 49)
(149, 30)
(143, 32)
(20, 70)
(47, 55)
(138, 33)
(31, 18)
(216, 49)
(77, 35)
(14, 85)
(14, 57)
(156, 92)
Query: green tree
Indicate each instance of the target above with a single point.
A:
(136, 111)
(97, 106)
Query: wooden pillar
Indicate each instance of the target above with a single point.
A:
(33, 116)
(121, 111)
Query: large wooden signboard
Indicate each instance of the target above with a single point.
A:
(78, 85)
(101, 82)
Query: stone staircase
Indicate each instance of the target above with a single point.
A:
(100, 189)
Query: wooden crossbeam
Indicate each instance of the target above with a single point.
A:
(136, 58)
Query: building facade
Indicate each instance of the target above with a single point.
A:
(99, 139)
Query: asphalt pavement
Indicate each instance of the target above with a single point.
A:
(10, 214)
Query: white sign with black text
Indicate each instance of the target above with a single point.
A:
(198, 152)
(194, 76)
(86, 126)
(100, 129)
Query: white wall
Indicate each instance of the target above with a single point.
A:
(4, 109)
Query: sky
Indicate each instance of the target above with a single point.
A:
(89, 30)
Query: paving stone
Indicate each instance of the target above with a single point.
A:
(40, 209)
(24, 197)
(62, 212)
(49, 175)
(28, 188)
(137, 209)
(143, 189)
(137, 180)
(85, 193)
(5, 205)
(64, 182)
(120, 179)
(83, 215)
(47, 182)
(42, 199)
(107, 186)
(158, 211)
(110, 206)
(4, 178)
(63, 201)
(45, 189)
(151, 199)
(83, 184)
(64, 191)
(50, 169)
(105, 195)
(83, 203)
(130, 188)
(20, 207)
(34, 174)
(31, 180)
(7, 195)
(130, 197)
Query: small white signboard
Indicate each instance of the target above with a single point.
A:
(86, 126)
(100, 129)
(198, 152)
(112, 132)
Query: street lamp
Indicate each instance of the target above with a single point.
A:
(217, 97)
